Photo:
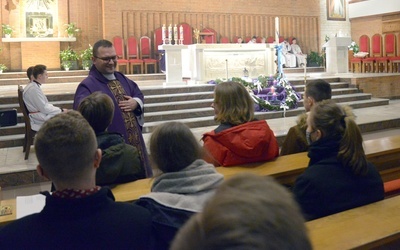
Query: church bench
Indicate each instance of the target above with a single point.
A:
(376, 225)
(383, 152)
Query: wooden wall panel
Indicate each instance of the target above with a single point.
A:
(303, 27)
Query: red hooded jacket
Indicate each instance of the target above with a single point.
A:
(249, 142)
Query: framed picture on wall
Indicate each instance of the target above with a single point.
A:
(336, 10)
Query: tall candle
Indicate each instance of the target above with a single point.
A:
(175, 32)
(163, 30)
(277, 29)
(170, 31)
(181, 32)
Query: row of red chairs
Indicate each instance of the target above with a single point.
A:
(382, 56)
(137, 54)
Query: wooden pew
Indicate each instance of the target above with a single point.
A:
(383, 152)
(367, 227)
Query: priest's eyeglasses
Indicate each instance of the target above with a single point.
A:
(108, 59)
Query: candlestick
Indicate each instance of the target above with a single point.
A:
(181, 32)
(163, 31)
(175, 33)
(170, 33)
(276, 29)
(226, 66)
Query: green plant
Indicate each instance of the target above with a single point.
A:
(354, 47)
(68, 55)
(7, 30)
(71, 29)
(314, 58)
(87, 53)
(66, 64)
(3, 67)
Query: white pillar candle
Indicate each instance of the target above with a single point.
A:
(175, 32)
(181, 32)
(277, 29)
(170, 31)
(163, 30)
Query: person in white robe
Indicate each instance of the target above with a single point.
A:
(300, 57)
(290, 58)
(40, 110)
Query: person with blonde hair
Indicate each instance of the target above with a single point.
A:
(247, 212)
(338, 176)
(184, 185)
(240, 138)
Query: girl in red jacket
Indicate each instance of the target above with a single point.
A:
(240, 138)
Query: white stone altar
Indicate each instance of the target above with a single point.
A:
(205, 62)
(337, 54)
(173, 63)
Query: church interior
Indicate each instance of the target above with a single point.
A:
(369, 82)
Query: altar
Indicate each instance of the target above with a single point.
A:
(205, 62)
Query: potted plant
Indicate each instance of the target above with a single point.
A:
(3, 67)
(71, 29)
(66, 65)
(314, 59)
(86, 56)
(7, 30)
(69, 55)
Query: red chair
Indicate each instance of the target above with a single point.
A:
(247, 39)
(390, 51)
(367, 63)
(187, 33)
(290, 39)
(209, 38)
(357, 61)
(381, 61)
(133, 55)
(281, 39)
(235, 39)
(224, 40)
(120, 50)
(258, 39)
(146, 54)
(270, 39)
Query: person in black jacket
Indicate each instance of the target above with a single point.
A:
(338, 176)
(79, 214)
(120, 161)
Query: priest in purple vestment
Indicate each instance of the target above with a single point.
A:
(128, 98)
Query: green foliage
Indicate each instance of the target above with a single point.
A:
(68, 55)
(314, 57)
(66, 64)
(7, 30)
(71, 29)
(87, 53)
(3, 67)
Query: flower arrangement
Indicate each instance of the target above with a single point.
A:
(268, 92)
(354, 47)
(71, 29)
(68, 55)
(66, 65)
(7, 29)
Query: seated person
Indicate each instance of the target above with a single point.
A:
(295, 140)
(263, 40)
(338, 176)
(234, 110)
(120, 161)
(246, 212)
(300, 57)
(240, 39)
(79, 214)
(40, 110)
(184, 185)
(290, 58)
(253, 40)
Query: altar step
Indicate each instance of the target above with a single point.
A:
(188, 104)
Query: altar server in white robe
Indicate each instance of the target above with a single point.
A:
(290, 58)
(301, 58)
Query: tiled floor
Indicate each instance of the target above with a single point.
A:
(12, 160)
